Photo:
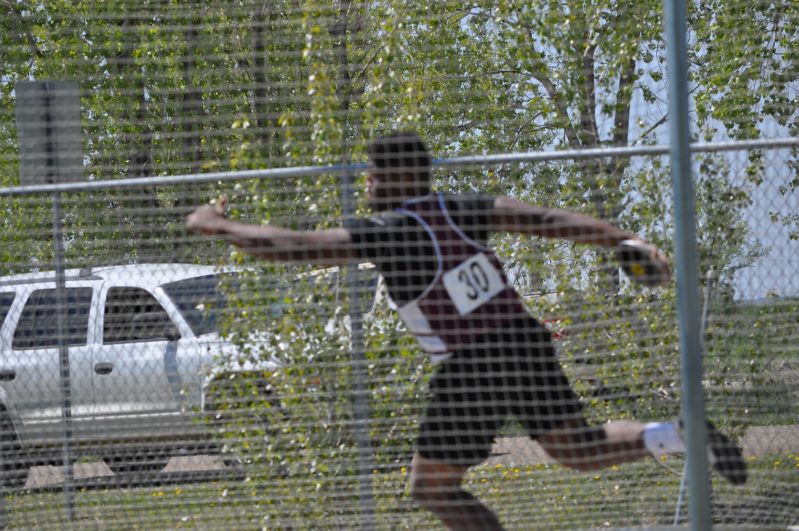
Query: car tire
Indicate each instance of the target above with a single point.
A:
(13, 463)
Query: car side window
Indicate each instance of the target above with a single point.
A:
(36, 327)
(134, 314)
(6, 300)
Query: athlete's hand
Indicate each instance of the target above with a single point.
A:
(207, 218)
(643, 262)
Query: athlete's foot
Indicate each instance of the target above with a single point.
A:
(724, 455)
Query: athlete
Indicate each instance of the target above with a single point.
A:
(494, 359)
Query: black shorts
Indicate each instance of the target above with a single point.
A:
(512, 371)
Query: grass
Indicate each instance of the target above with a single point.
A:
(525, 497)
(752, 363)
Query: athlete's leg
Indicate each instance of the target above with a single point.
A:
(574, 444)
(577, 446)
(437, 487)
(465, 413)
(551, 411)
(552, 414)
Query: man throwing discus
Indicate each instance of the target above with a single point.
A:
(493, 359)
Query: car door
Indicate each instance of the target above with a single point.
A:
(7, 372)
(31, 371)
(136, 380)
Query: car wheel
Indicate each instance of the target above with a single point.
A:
(13, 464)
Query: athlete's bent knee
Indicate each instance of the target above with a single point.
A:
(432, 480)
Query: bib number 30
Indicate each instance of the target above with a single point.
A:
(473, 283)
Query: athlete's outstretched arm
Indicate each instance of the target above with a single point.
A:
(510, 215)
(326, 247)
(640, 260)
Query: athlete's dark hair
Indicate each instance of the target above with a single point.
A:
(402, 153)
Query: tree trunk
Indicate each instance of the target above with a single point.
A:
(191, 103)
(263, 132)
(340, 32)
(136, 141)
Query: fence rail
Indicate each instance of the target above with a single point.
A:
(342, 169)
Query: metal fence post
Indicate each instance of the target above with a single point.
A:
(63, 359)
(51, 151)
(693, 408)
(360, 391)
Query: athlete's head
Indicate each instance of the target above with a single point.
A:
(399, 169)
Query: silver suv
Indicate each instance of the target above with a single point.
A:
(143, 344)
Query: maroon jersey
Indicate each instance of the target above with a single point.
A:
(469, 294)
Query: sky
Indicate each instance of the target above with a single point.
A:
(778, 272)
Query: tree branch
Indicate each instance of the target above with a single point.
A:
(521, 128)
(553, 94)
(369, 61)
(651, 128)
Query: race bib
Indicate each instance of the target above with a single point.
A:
(473, 283)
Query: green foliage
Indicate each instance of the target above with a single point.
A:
(302, 329)
(750, 360)
(623, 356)
(298, 418)
(221, 87)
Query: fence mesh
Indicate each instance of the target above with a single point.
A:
(208, 388)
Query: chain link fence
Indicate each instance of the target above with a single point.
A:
(151, 378)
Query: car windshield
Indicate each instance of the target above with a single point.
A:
(202, 300)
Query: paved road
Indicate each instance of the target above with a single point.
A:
(45, 476)
(508, 451)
